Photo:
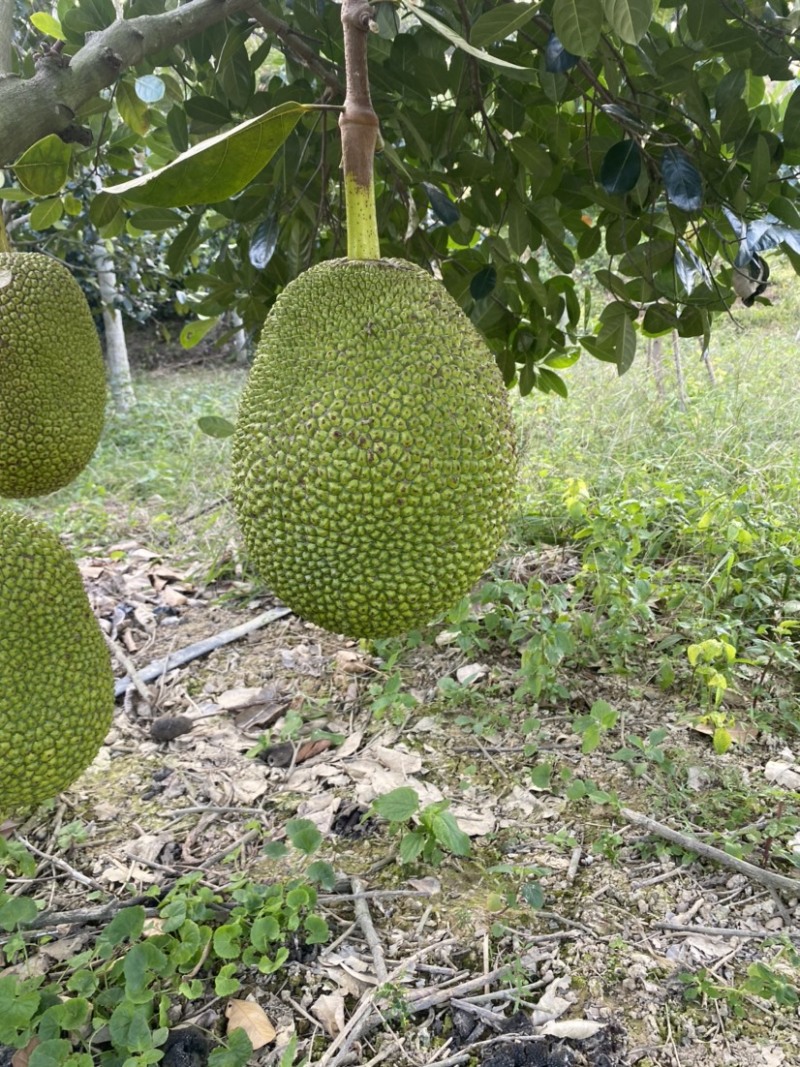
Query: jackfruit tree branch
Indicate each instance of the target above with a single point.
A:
(359, 128)
(31, 108)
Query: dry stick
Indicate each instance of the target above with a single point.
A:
(127, 664)
(201, 648)
(725, 931)
(83, 879)
(691, 844)
(365, 922)
(360, 1020)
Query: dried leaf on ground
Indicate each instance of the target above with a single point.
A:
(250, 1017)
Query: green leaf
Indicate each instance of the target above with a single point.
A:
(45, 214)
(43, 169)
(304, 835)
(577, 24)
(317, 932)
(411, 846)
(449, 834)
(616, 341)
(207, 111)
(155, 219)
(323, 873)
(18, 1006)
(266, 928)
(621, 167)
(540, 775)
(591, 738)
(16, 912)
(143, 963)
(72, 1012)
(126, 925)
(218, 168)
(133, 111)
(129, 1027)
(45, 23)
(791, 121)
(226, 983)
(483, 283)
(630, 19)
(398, 805)
(227, 941)
(722, 740)
(215, 426)
(500, 22)
(194, 332)
(237, 1052)
(51, 1053)
(459, 42)
(682, 180)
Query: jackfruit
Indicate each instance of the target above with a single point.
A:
(56, 681)
(52, 380)
(373, 463)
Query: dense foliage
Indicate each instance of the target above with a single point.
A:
(527, 150)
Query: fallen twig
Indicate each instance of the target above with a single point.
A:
(361, 908)
(692, 844)
(725, 931)
(201, 648)
(62, 865)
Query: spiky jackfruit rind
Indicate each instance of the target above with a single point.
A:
(52, 379)
(56, 681)
(374, 454)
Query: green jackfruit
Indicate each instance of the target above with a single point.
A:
(373, 459)
(56, 682)
(52, 380)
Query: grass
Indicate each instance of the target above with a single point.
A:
(154, 468)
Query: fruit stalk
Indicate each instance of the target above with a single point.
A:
(359, 130)
(5, 242)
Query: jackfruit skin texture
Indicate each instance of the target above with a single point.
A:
(56, 681)
(373, 463)
(52, 378)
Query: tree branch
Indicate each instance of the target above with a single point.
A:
(6, 17)
(31, 108)
(298, 48)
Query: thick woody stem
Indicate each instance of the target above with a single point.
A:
(359, 129)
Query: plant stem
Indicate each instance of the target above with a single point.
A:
(5, 243)
(359, 127)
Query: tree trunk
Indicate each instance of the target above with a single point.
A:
(706, 357)
(655, 359)
(117, 366)
(676, 351)
(239, 339)
(6, 33)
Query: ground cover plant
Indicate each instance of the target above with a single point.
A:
(634, 649)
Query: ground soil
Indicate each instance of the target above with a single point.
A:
(567, 936)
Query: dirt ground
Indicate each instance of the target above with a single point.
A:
(565, 937)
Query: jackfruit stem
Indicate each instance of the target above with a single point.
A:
(5, 241)
(358, 124)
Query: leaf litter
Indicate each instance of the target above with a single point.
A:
(592, 972)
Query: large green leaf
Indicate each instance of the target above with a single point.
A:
(500, 22)
(577, 24)
(43, 169)
(459, 42)
(791, 121)
(218, 168)
(630, 19)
